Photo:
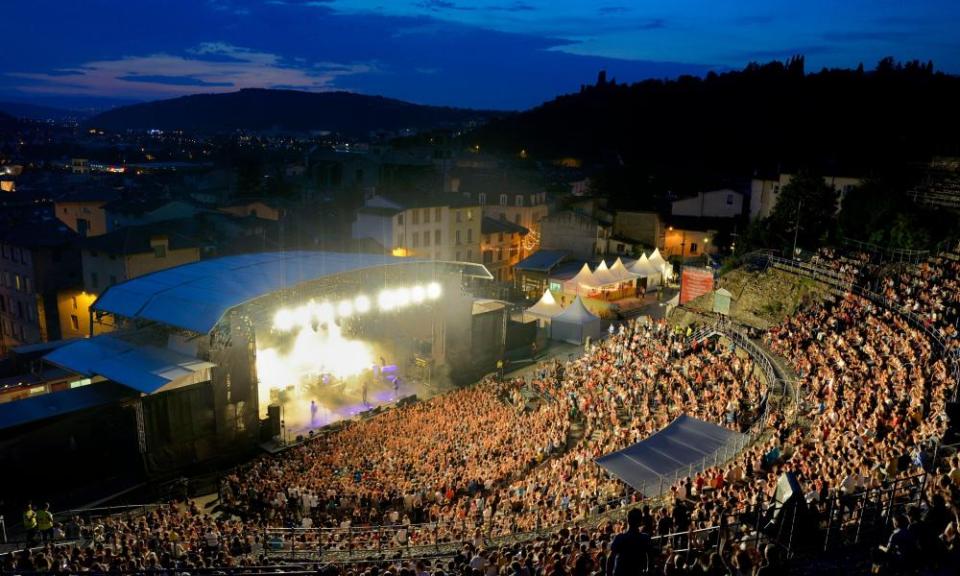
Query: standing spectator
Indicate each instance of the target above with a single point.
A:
(30, 524)
(629, 551)
(45, 523)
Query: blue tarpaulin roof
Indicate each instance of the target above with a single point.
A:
(44, 406)
(675, 450)
(541, 260)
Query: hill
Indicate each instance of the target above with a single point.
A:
(38, 112)
(285, 110)
(763, 118)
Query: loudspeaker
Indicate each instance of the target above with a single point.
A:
(273, 420)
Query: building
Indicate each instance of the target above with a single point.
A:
(502, 246)
(83, 210)
(725, 203)
(688, 238)
(764, 192)
(80, 166)
(437, 227)
(532, 274)
(135, 212)
(38, 259)
(576, 233)
(506, 196)
(268, 209)
(124, 254)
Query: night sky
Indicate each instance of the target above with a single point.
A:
(505, 54)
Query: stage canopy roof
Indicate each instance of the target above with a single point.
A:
(142, 367)
(684, 446)
(195, 296)
(545, 308)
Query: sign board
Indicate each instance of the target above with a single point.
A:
(695, 282)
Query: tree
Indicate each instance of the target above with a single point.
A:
(805, 211)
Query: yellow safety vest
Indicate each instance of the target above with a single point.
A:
(44, 520)
(29, 520)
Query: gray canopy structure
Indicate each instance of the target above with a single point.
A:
(575, 324)
(683, 448)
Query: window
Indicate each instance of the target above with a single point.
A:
(400, 239)
(482, 198)
(160, 251)
(488, 256)
(457, 238)
(469, 255)
(3, 303)
(693, 247)
(26, 285)
(776, 188)
(729, 199)
(75, 322)
(516, 218)
(459, 216)
(416, 217)
(499, 254)
(519, 200)
(19, 309)
(503, 199)
(469, 215)
(503, 216)
(74, 302)
(437, 214)
(426, 239)
(500, 237)
(17, 283)
(94, 281)
(436, 237)
(426, 215)
(399, 219)
(469, 235)
(416, 239)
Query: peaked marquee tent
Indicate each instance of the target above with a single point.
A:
(603, 277)
(644, 269)
(575, 324)
(620, 271)
(661, 265)
(545, 309)
(583, 278)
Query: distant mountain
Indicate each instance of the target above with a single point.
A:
(764, 118)
(285, 110)
(38, 112)
(7, 121)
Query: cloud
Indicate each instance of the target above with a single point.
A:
(514, 7)
(214, 66)
(439, 5)
(606, 10)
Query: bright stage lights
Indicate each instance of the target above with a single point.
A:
(361, 304)
(433, 290)
(401, 297)
(386, 300)
(418, 294)
(345, 308)
(323, 312)
(284, 320)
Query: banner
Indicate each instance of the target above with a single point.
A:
(695, 282)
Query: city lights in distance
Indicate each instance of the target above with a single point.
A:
(390, 299)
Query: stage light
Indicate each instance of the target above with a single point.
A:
(324, 312)
(386, 300)
(284, 320)
(345, 308)
(361, 304)
(434, 290)
(303, 316)
(401, 296)
(418, 294)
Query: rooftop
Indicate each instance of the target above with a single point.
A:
(496, 225)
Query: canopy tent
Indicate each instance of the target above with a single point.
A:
(583, 278)
(545, 309)
(661, 265)
(644, 269)
(602, 276)
(575, 324)
(686, 446)
(620, 271)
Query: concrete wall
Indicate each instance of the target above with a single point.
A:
(713, 204)
(644, 227)
(577, 234)
(92, 212)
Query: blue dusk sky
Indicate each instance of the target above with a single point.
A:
(504, 54)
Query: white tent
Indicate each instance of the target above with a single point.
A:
(620, 271)
(644, 269)
(575, 324)
(583, 278)
(602, 275)
(664, 267)
(545, 309)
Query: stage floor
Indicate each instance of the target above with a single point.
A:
(335, 403)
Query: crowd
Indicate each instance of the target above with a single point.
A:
(507, 458)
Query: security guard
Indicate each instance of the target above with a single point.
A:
(45, 523)
(30, 524)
